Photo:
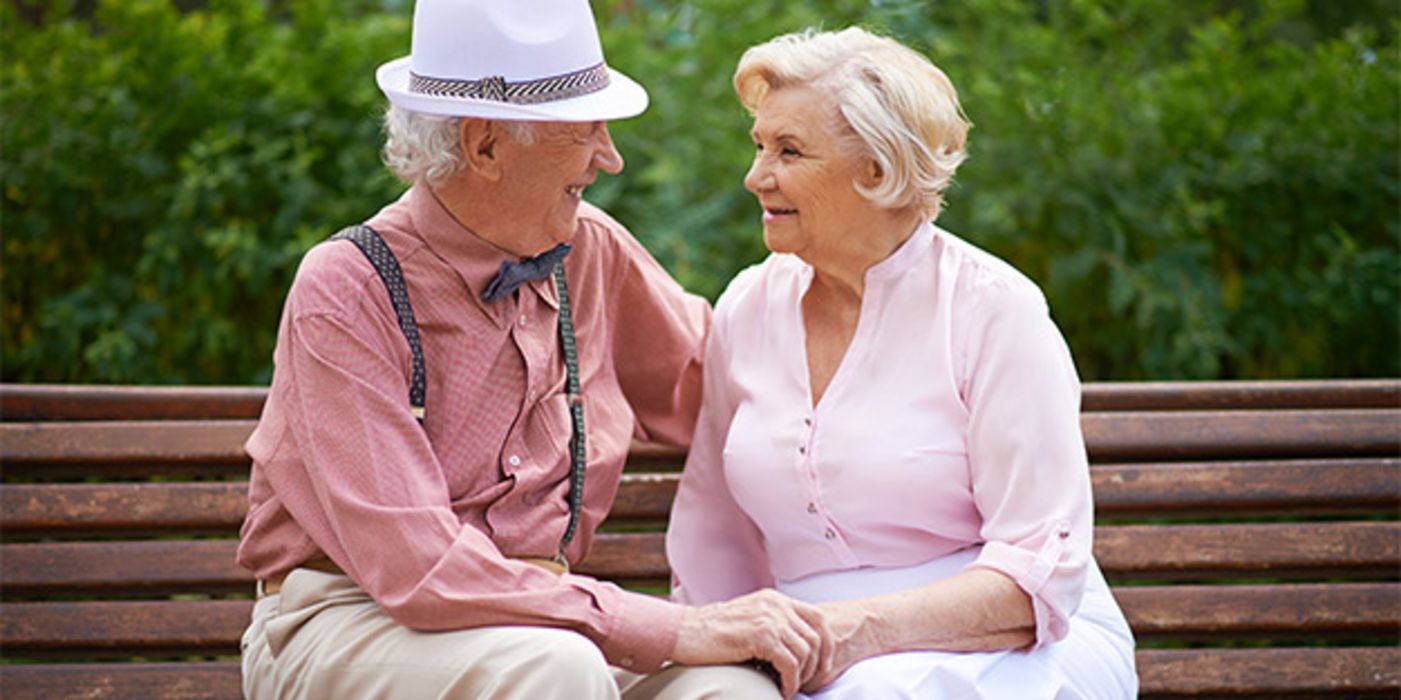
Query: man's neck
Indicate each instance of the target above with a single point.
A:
(478, 206)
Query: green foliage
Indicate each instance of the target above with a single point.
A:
(164, 172)
(1203, 189)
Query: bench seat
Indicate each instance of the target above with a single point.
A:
(1248, 529)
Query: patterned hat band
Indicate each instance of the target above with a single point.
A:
(525, 92)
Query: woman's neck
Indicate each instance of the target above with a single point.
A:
(842, 275)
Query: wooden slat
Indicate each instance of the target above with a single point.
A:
(199, 680)
(1180, 552)
(123, 508)
(1238, 395)
(27, 402)
(644, 498)
(634, 558)
(167, 627)
(119, 508)
(119, 567)
(1215, 613)
(1133, 436)
(1249, 550)
(1134, 490)
(1165, 674)
(37, 402)
(126, 441)
(1244, 489)
(1176, 435)
(1348, 672)
(183, 566)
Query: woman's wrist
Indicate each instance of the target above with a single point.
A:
(857, 629)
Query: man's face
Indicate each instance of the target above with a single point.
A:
(544, 182)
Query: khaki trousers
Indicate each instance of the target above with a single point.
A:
(323, 637)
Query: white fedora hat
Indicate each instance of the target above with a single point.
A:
(509, 59)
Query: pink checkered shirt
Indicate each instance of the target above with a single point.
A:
(427, 518)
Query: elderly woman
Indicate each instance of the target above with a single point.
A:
(890, 419)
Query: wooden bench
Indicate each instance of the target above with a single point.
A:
(1250, 531)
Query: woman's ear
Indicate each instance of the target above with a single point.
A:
(478, 139)
(873, 174)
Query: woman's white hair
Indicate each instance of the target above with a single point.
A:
(902, 109)
(421, 146)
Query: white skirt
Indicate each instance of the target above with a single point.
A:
(1095, 661)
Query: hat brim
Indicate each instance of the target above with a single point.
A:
(622, 98)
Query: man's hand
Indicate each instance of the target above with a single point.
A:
(766, 625)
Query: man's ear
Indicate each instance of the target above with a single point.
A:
(479, 140)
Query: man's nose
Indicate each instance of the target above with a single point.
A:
(606, 156)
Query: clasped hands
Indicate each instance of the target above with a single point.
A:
(808, 645)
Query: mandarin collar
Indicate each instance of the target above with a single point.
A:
(472, 257)
(906, 256)
(914, 249)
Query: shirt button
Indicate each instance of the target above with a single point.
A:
(523, 321)
(802, 450)
(807, 422)
(830, 534)
(812, 508)
(514, 460)
(626, 662)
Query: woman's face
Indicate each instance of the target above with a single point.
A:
(805, 169)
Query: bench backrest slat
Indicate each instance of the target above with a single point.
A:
(1187, 613)
(1125, 553)
(27, 402)
(1132, 436)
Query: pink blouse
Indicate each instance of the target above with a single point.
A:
(952, 421)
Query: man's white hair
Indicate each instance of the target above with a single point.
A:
(426, 146)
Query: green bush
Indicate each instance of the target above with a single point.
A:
(1203, 189)
(164, 172)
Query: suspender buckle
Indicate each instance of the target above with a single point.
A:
(561, 560)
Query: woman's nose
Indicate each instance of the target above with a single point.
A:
(758, 178)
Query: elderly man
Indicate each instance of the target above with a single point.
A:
(449, 415)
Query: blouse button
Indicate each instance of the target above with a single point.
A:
(523, 320)
(812, 508)
(514, 460)
(807, 422)
(1063, 532)
(830, 534)
(802, 450)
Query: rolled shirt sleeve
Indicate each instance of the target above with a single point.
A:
(1027, 456)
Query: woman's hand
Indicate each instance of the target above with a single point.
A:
(792, 636)
(853, 639)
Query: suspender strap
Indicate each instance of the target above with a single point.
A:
(373, 246)
(369, 242)
(577, 451)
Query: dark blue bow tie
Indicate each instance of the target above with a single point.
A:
(514, 274)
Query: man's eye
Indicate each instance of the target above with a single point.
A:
(790, 151)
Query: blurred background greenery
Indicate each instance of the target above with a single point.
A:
(1204, 189)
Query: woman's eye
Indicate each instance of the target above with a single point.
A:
(789, 151)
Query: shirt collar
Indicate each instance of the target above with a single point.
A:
(914, 249)
(475, 259)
